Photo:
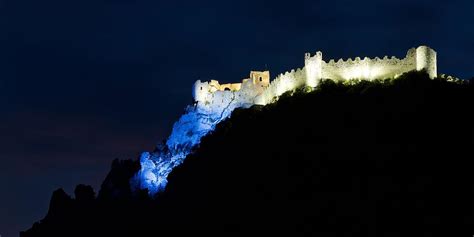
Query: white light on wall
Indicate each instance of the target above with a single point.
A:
(363, 72)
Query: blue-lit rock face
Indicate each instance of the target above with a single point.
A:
(187, 132)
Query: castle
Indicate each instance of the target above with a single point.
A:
(257, 89)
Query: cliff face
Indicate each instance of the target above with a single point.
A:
(369, 159)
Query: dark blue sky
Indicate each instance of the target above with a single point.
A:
(85, 81)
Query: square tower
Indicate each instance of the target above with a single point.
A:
(260, 78)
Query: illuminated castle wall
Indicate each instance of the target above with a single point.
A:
(258, 90)
(218, 97)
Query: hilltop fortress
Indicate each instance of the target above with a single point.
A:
(215, 102)
(257, 89)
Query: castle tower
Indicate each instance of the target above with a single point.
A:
(313, 67)
(200, 91)
(260, 78)
(426, 60)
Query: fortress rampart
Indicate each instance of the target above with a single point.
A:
(257, 89)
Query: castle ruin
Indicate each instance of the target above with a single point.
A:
(257, 89)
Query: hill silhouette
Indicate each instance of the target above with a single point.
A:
(380, 158)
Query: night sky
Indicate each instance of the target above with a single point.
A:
(85, 81)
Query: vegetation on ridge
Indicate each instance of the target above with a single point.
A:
(381, 158)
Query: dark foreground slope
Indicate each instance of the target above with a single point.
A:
(370, 159)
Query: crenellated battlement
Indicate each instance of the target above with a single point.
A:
(257, 89)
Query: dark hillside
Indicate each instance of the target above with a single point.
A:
(382, 158)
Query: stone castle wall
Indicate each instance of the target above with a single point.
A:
(257, 91)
